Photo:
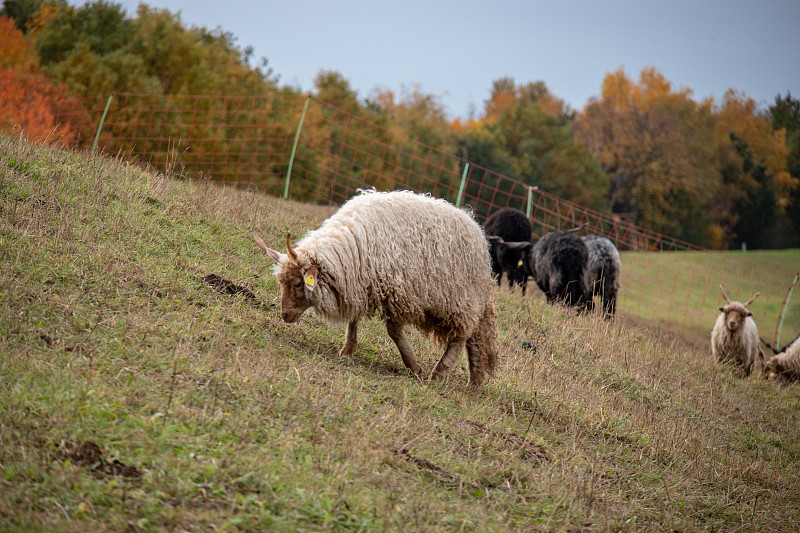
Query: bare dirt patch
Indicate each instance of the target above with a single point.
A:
(225, 286)
(92, 456)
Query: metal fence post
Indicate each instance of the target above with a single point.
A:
(294, 148)
(530, 197)
(100, 126)
(783, 312)
(463, 180)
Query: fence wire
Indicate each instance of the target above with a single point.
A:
(247, 142)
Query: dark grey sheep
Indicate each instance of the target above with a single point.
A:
(508, 225)
(603, 271)
(558, 263)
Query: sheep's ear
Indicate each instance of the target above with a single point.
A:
(721, 309)
(310, 278)
(276, 256)
(749, 313)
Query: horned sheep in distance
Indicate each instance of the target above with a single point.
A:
(508, 225)
(603, 271)
(785, 364)
(734, 338)
(410, 258)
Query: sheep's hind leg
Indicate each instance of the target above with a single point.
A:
(395, 331)
(477, 362)
(350, 339)
(450, 356)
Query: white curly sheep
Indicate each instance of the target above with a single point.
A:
(734, 338)
(412, 259)
(785, 364)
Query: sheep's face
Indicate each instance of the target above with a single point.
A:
(297, 278)
(735, 315)
(295, 283)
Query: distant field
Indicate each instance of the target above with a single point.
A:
(681, 289)
(147, 383)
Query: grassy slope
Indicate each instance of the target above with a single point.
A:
(236, 421)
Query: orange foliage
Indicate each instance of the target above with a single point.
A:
(16, 53)
(739, 115)
(620, 91)
(500, 102)
(506, 94)
(456, 126)
(551, 105)
(30, 104)
(29, 101)
(36, 24)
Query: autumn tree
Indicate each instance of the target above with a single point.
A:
(756, 208)
(664, 154)
(537, 148)
(16, 52)
(785, 115)
(20, 11)
(740, 116)
(363, 148)
(194, 60)
(30, 103)
(421, 139)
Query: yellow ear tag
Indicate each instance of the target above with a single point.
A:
(519, 264)
(310, 281)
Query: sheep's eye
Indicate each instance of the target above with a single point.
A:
(298, 284)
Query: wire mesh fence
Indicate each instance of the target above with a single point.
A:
(256, 142)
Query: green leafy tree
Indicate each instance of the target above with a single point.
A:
(785, 114)
(758, 208)
(537, 131)
(100, 26)
(20, 11)
(193, 61)
(87, 73)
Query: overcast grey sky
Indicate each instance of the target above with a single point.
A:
(456, 49)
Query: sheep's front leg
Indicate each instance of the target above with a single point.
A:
(395, 331)
(450, 356)
(350, 340)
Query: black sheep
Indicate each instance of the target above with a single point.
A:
(558, 264)
(508, 225)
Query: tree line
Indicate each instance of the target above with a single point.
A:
(717, 174)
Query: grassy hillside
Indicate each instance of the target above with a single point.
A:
(139, 394)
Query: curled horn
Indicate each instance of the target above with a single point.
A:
(724, 295)
(751, 299)
(289, 250)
